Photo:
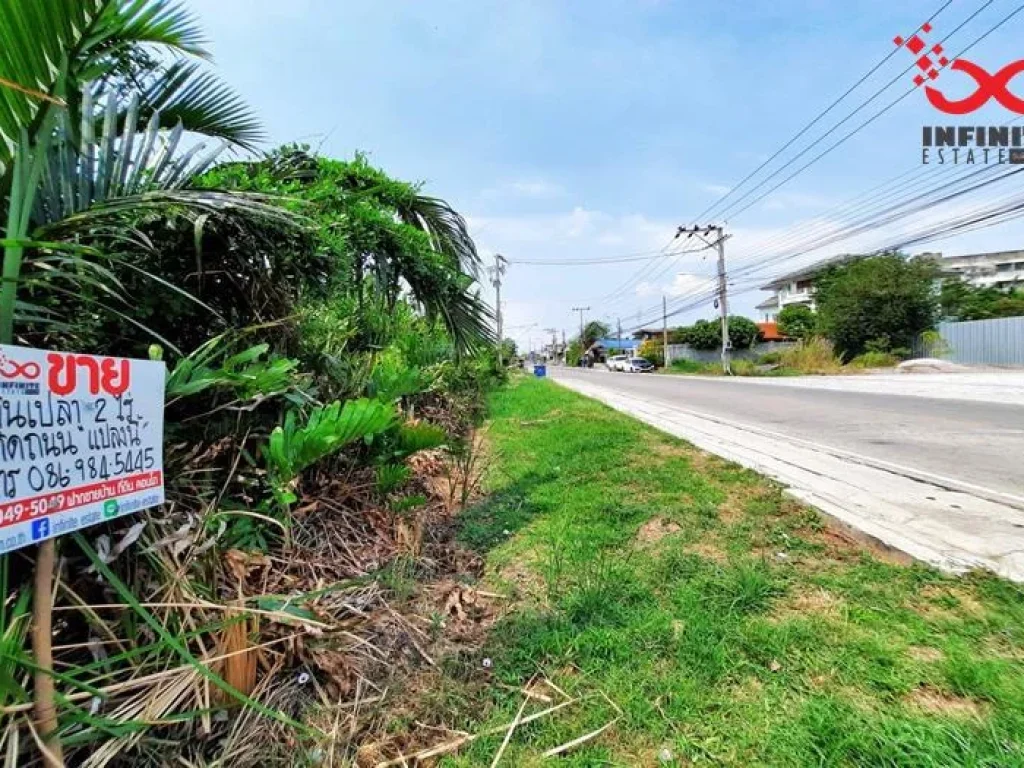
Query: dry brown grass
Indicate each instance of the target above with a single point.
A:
(948, 602)
(929, 699)
(925, 653)
(656, 529)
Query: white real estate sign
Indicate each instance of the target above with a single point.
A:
(81, 441)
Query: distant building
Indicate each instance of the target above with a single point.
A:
(648, 334)
(604, 348)
(1000, 269)
(796, 288)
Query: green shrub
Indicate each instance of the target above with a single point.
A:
(653, 351)
(797, 321)
(813, 355)
(874, 360)
(744, 368)
(770, 358)
(693, 366)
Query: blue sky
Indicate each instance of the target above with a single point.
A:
(573, 129)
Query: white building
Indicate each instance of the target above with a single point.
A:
(1000, 269)
(795, 287)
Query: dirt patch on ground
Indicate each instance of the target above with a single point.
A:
(842, 545)
(655, 530)
(740, 497)
(669, 450)
(930, 699)
(523, 578)
(925, 653)
(945, 603)
(817, 602)
(709, 550)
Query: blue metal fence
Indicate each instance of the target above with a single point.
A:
(978, 342)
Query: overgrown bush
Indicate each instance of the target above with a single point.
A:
(323, 329)
(797, 321)
(874, 360)
(654, 351)
(707, 334)
(693, 366)
(882, 301)
(813, 355)
(744, 367)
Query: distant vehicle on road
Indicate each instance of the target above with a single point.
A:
(638, 365)
(617, 362)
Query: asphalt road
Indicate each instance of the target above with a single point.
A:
(980, 443)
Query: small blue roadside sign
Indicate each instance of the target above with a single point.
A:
(540, 371)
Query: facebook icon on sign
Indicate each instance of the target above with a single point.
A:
(40, 529)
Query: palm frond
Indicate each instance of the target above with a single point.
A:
(187, 202)
(51, 47)
(448, 231)
(114, 166)
(186, 93)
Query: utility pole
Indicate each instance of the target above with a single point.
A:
(620, 334)
(581, 310)
(564, 348)
(664, 330)
(497, 271)
(554, 340)
(723, 286)
(723, 303)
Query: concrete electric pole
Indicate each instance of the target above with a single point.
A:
(497, 271)
(723, 283)
(664, 331)
(723, 303)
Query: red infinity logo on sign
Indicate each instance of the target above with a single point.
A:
(9, 369)
(989, 87)
(932, 61)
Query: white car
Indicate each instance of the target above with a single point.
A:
(638, 365)
(617, 363)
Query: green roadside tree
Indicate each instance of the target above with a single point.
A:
(878, 303)
(508, 350)
(707, 334)
(593, 331)
(962, 301)
(743, 332)
(797, 321)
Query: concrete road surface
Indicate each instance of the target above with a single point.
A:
(932, 465)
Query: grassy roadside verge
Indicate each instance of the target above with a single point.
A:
(707, 619)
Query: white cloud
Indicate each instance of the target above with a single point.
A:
(688, 284)
(683, 284)
(528, 189)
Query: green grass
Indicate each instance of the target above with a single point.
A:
(737, 630)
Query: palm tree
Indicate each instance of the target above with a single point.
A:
(54, 56)
(75, 70)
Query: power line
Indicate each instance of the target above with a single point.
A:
(816, 120)
(591, 261)
(731, 211)
(645, 272)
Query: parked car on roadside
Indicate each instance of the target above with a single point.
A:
(616, 363)
(638, 365)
